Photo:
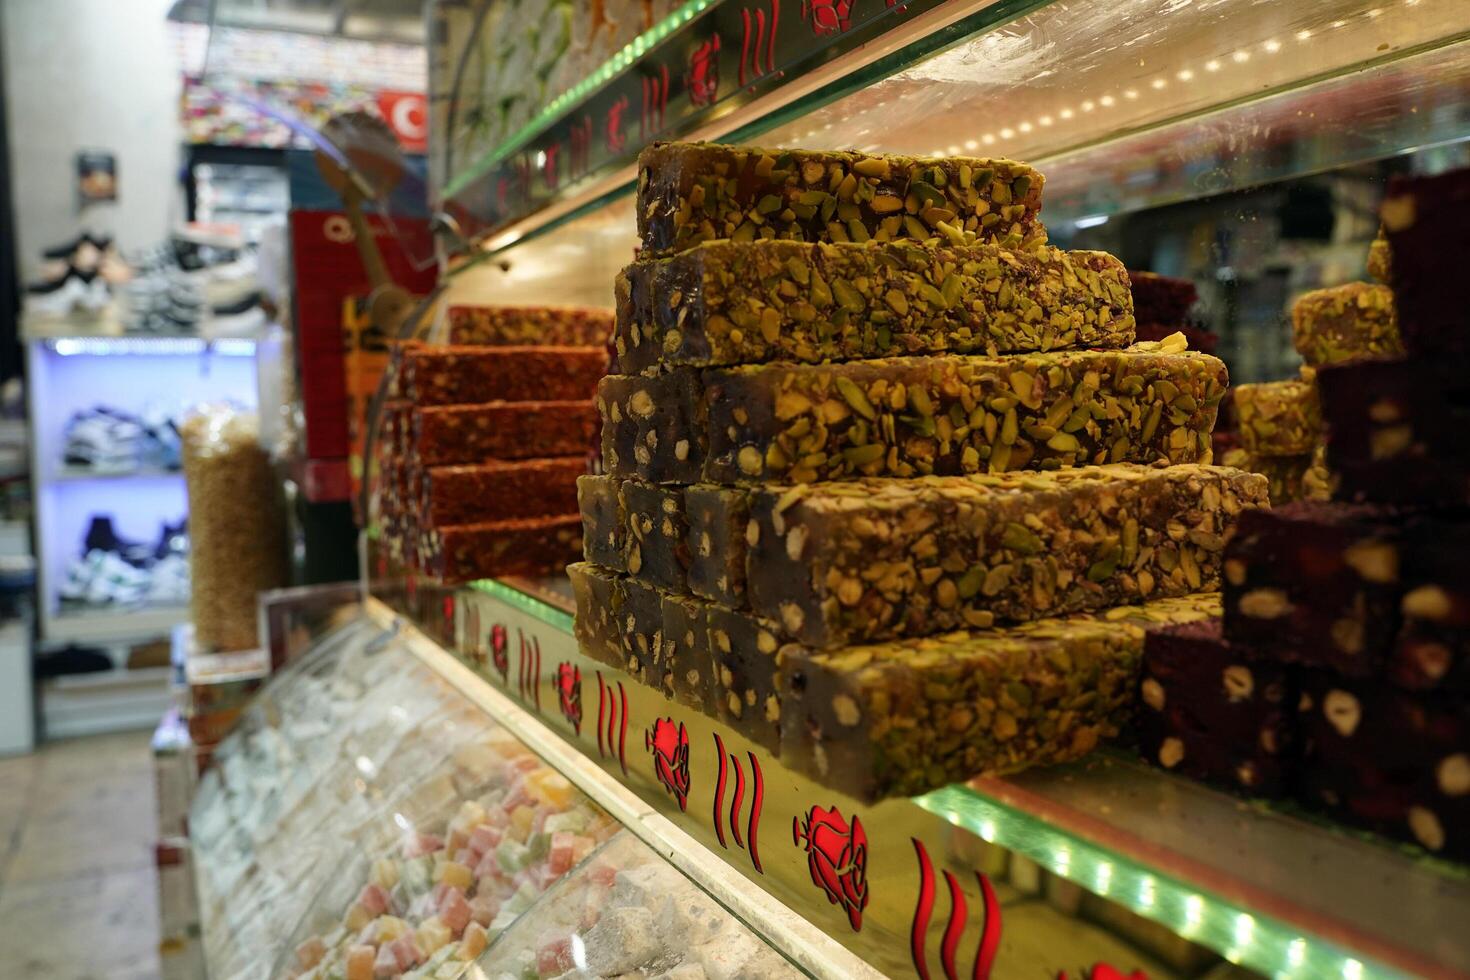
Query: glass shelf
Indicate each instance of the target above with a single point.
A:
(1264, 886)
(1123, 105)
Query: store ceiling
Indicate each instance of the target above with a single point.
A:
(399, 21)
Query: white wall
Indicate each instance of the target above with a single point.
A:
(91, 74)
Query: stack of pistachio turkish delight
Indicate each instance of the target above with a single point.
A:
(886, 487)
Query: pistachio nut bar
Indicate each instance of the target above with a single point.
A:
(1285, 475)
(689, 672)
(1214, 713)
(520, 546)
(1380, 257)
(604, 526)
(498, 489)
(1393, 761)
(1428, 224)
(719, 519)
(509, 326)
(1278, 418)
(653, 427)
(599, 622)
(471, 375)
(1316, 583)
(656, 542)
(1433, 648)
(905, 717)
(842, 563)
(745, 649)
(695, 192)
(1345, 323)
(724, 303)
(1397, 429)
(446, 434)
(913, 416)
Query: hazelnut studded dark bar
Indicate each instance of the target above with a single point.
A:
(1345, 323)
(1427, 220)
(1278, 418)
(656, 541)
(695, 192)
(446, 434)
(521, 546)
(723, 303)
(599, 622)
(499, 490)
(653, 428)
(604, 527)
(642, 619)
(1212, 712)
(473, 375)
(1396, 430)
(511, 326)
(744, 649)
(689, 671)
(915, 416)
(1316, 583)
(905, 717)
(1433, 647)
(842, 563)
(719, 519)
(1393, 761)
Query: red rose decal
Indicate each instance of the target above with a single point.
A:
(569, 694)
(500, 650)
(837, 857)
(827, 16)
(703, 79)
(670, 748)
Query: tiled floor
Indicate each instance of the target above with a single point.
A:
(78, 896)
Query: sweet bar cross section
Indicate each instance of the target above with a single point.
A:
(482, 441)
(1338, 675)
(889, 488)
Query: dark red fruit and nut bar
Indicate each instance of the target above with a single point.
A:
(498, 490)
(1214, 712)
(1427, 220)
(447, 434)
(1315, 583)
(513, 326)
(1394, 762)
(523, 546)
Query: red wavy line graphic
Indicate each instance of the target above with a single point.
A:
(989, 933)
(744, 45)
(601, 711)
(758, 796)
(719, 808)
(955, 927)
(623, 730)
(771, 43)
(536, 677)
(923, 909)
(735, 802)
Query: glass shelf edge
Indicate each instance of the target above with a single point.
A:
(554, 109)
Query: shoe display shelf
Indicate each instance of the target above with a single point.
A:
(1100, 868)
(110, 506)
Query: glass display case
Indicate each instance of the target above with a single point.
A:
(1243, 147)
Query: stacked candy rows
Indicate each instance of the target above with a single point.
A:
(868, 434)
(483, 439)
(1340, 675)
